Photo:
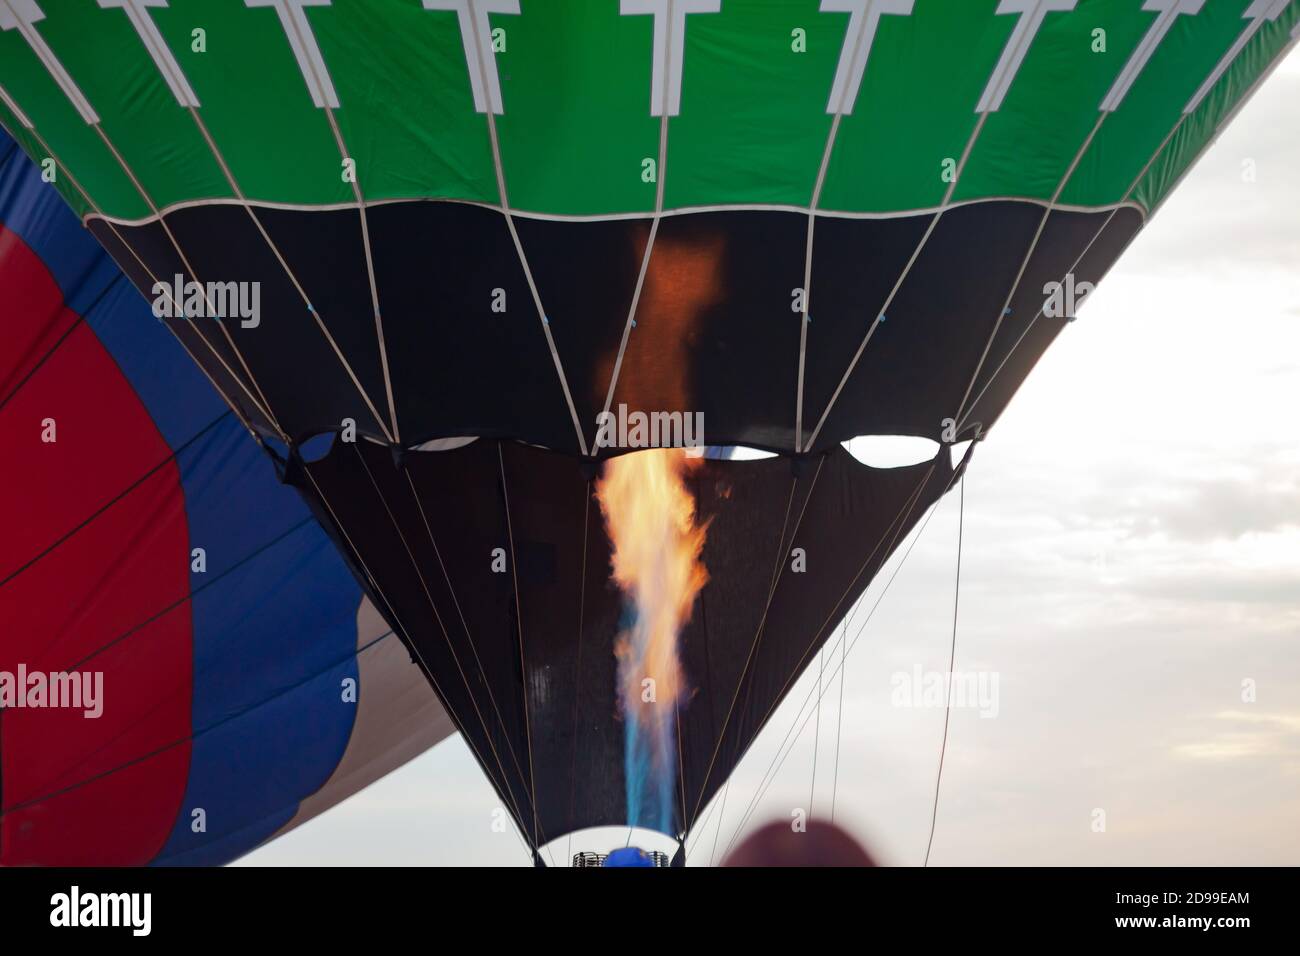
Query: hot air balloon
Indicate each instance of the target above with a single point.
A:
(483, 250)
(227, 680)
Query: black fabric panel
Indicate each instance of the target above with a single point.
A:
(328, 256)
(854, 520)
(920, 359)
(304, 382)
(586, 276)
(351, 546)
(715, 332)
(201, 337)
(1066, 235)
(370, 502)
(575, 729)
(458, 367)
(463, 501)
(855, 265)
(753, 510)
(293, 367)
(545, 633)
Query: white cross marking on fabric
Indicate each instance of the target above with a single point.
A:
(137, 13)
(1032, 14)
(305, 49)
(479, 56)
(864, 18)
(666, 92)
(1169, 11)
(1256, 13)
(23, 15)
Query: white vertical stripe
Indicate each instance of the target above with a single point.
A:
(305, 48)
(1169, 11)
(669, 31)
(476, 37)
(22, 15)
(1256, 13)
(864, 18)
(153, 41)
(1032, 14)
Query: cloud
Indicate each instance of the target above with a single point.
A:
(1211, 584)
(1289, 723)
(1270, 735)
(1228, 508)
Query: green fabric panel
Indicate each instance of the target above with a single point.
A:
(916, 106)
(1027, 146)
(1131, 135)
(577, 125)
(406, 106)
(1202, 125)
(76, 146)
(753, 122)
(255, 102)
(576, 95)
(156, 137)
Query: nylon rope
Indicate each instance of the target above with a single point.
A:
(577, 677)
(952, 659)
(437, 617)
(519, 626)
(764, 785)
(463, 623)
(393, 618)
(758, 631)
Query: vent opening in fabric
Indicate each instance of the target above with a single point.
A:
(736, 453)
(316, 447)
(891, 451)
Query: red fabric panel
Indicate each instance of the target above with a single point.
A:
(122, 568)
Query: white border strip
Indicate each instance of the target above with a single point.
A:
(615, 216)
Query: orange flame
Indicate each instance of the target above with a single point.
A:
(650, 517)
(682, 282)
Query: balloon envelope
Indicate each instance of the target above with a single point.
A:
(228, 698)
(405, 223)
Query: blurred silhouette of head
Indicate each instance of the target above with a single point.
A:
(820, 844)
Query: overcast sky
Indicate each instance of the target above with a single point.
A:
(1132, 555)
